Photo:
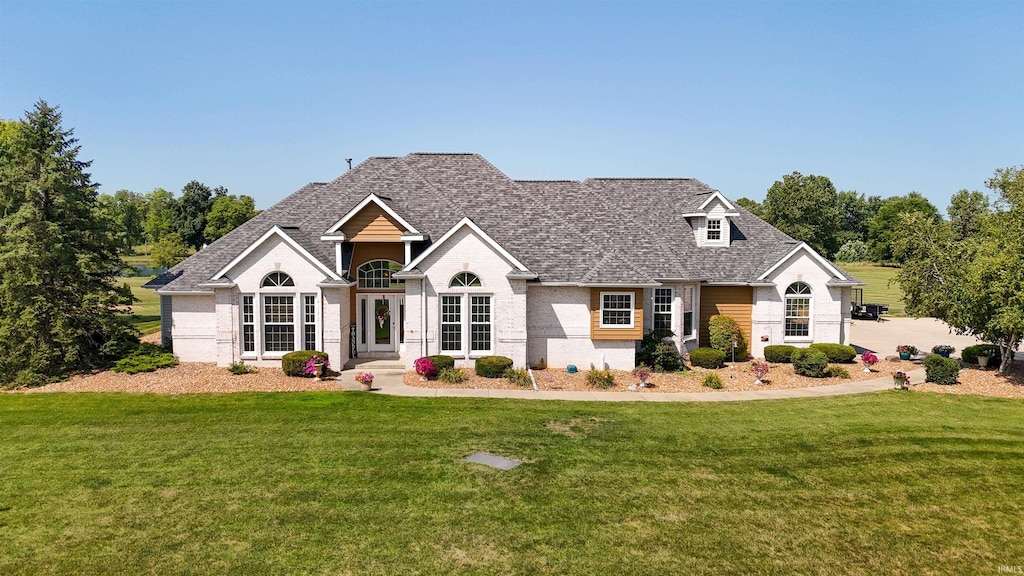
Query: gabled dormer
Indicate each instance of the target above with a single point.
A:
(712, 222)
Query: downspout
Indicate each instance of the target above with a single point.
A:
(423, 316)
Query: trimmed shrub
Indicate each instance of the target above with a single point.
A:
(452, 375)
(707, 358)
(779, 354)
(441, 362)
(941, 370)
(492, 366)
(837, 372)
(519, 376)
(294, 363)
(649, 344)
(970, 354)
(600, 378)
(239, 368)
(712, 380)
(723, 331)
(811, 363)
(837, 353)
(146, 358)
(666, 358)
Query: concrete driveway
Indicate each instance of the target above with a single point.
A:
(883, 337)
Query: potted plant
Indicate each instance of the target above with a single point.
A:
(643, 373)
(425, 368)
(366, 380)
(868, 359)
(901, 381)
(983, 360)
(760, 370)
(943, 350)
(316, 366)
(906, 351)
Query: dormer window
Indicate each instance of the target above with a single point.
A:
(714, 230)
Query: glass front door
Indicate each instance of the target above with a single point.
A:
(380, 318)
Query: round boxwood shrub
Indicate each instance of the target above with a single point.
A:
(970, 354)
(724, 331)
(941, 370)
(492, 366)
(294, 363)
(779, 354)
(837, 353)
(811, 363)
(707, 358)
(441, 362)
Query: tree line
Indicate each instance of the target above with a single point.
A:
(847, 226)
(174, 227)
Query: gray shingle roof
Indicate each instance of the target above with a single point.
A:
(598, 231)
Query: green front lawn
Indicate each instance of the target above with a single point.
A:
(878, 288)
(352, 483)
(146, 317)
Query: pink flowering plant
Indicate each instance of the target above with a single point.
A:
(760, 369)
(642, 372)
(364, 377)
(315, 363)
(425, 367)
(869, 359)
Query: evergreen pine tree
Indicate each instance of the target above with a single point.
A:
(59, 258)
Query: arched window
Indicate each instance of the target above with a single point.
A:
(798, 310)
(464, 280)
(276, 279)
(377, 274)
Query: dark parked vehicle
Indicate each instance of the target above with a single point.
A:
(869, 311)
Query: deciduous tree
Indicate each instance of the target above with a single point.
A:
(228, 212)
(170, 250)
(889, 218)
(159, 214)
(805, 207)
(190, 212)
(966, 210)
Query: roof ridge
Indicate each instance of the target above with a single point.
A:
(643, 178)
(547, 181)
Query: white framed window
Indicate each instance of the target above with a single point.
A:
(277, 279)
(714, 230)
(464, 279)
(248, 324)
(688, 312)
(663, 309)
(451, 323)
(467, 319)
(377, 274)
(278, 323)
(617, 309)
(798, 311)
(309, 322)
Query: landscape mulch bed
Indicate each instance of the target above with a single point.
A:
(983, 382)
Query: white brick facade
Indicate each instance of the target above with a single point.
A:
(558, 326)
(465, 251)
(830, 306)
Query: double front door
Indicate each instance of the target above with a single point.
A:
(380, 322)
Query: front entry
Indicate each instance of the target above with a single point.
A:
(380, 322)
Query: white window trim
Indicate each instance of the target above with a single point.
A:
(688, 291)
(465, 324)
(243, 353)
(298, 321)
(810, 314)
(671, 307)
(707, 231)
(632, 311)
(317, 342)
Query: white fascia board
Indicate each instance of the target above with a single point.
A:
(717, 194)
(466, 222)
(520, 275)
(542, 283)
(371, 198)
(725, 284)
(623, 286)
(163, 292)
(335, 284)
(288, 240)
(705, 214)
(414, 237)
(216, 285)
(408, 274)
(814, 255)
(336, 237)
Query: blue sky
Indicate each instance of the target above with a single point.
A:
(262, 97)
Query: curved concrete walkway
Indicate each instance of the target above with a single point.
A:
(390, 383)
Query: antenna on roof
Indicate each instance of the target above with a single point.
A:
(349, 160)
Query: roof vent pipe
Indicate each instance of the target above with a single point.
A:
(349, 161)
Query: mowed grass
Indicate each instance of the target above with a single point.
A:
(354, 483)
(146, 316)
(878, 288)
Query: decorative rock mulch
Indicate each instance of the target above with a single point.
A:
(987, 382)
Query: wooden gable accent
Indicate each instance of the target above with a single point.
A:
(634, 333)
(372, 224)
(736, 302)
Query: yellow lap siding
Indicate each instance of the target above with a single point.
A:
(634, 333)
(736, 302)
(372, 224)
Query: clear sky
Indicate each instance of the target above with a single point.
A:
(262, 97)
